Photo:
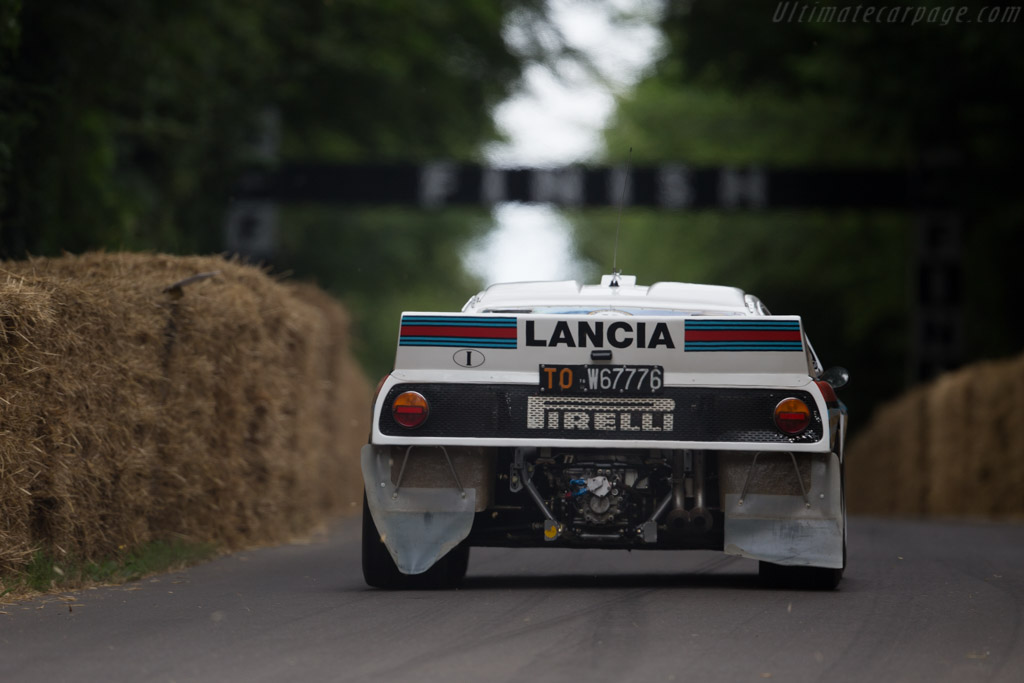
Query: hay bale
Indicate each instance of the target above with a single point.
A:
(884, 463)
(130, 413)
(950, 448)
(951, 420)
(982, 458)
(1003, 435)
(347, 405)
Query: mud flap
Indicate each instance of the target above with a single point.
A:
(790, 530)
(418, 525)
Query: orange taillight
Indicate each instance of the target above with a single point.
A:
(792, 416)
(410, 409)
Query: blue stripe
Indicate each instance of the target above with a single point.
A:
(743, 346)
(476, 343)
(462, 317)
(741, 350)
(693, 325)
(474, 321)
(451, 323)
(743, 342)
(458, 321)
(441, 337)
(747, 321)
(736, 328)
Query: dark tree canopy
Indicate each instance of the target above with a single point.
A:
(928, 87)
(735, 86)
(123, 124)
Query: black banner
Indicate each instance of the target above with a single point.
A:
(667, 186)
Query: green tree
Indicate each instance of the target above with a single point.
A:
(125, 124)
(926, 87)
(10, 121)
(736, 87)
(382, 261)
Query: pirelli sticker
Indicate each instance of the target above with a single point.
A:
(628, 416)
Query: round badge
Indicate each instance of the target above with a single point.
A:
(469, 358)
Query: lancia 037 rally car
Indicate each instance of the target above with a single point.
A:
(670, 416)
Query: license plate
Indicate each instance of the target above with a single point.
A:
(620, 380)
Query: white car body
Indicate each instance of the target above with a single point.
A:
(612, 415)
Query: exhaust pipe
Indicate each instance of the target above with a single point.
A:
(698, 518)
(699, 515)
(678, 517)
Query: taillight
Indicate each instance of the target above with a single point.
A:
(827, 392)
(410, 409)
(792, 416)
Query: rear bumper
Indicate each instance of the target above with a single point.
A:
(766, 511)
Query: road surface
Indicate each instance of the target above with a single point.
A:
(920, 602)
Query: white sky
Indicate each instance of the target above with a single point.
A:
(557, 121)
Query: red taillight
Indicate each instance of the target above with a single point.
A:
(410, 409)
(827, 392)
(792, 416)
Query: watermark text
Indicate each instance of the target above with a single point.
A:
(817, 13)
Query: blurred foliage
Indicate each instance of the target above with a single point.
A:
(736, 87)
(10, 121)
(705, 125)
(383, 262)
(798, 263)
(124, 125)
(927, 87)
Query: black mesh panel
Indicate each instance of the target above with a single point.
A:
(677, 414)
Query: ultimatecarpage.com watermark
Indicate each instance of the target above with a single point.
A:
(802, 12)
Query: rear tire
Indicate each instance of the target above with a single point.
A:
(801, 577)
(380, 571)
(456, 562)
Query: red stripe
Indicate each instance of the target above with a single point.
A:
(410, 410)
(445, 331)
(742, 335)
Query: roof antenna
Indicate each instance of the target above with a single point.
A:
(618, 223)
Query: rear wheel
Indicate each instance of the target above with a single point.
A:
(801, 577)
(806, 578)
(456, 563)
(380, 571)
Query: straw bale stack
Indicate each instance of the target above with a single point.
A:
(226, 410)
(954, 447)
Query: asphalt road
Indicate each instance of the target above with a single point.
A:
(920, 602)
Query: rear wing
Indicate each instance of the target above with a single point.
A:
(682, 345)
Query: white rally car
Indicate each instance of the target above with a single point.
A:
(673, 416)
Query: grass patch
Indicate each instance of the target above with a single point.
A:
(45, 573)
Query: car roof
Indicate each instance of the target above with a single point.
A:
(670, 296)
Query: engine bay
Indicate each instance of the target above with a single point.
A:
(603, 498)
